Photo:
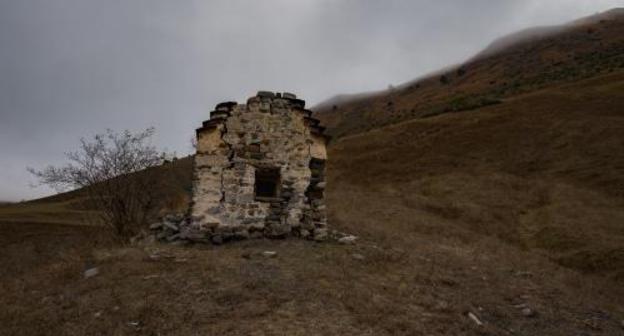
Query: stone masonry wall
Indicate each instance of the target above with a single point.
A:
(271, 131)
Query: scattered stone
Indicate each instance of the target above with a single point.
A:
(148, 240)
(357, 256)
(157, 256)
(173, 237)
(241, 234)
(475, 318)
(97, 314)
(175, 217)
(347, 240)
(320, 235)
(528, 312)
(217, 239)
(136, 239)
(269, 254)
(521, 274)
(168, 229)
(179, 243)
(442, 306)
(256, 235)
(193, 236)
(303, 233)
(91, 272)
(153, 257)
(135, 324)
(171, 225)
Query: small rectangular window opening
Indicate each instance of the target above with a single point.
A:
(267, 183)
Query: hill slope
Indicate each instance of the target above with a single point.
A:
(541, 171)
(520, 63)
(73, 207)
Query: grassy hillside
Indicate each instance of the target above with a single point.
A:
(521, 63)
(541, 171)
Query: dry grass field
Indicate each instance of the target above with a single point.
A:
(511, 213)
(405, 284)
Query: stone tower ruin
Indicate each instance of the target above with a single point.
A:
(259, 171)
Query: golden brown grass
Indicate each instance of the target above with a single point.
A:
(397, 285)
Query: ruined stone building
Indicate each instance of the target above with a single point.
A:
(259, 171)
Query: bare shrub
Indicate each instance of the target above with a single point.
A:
(120, 175)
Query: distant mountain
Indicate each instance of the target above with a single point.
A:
(518, 63)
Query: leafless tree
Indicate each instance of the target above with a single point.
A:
(120, 175)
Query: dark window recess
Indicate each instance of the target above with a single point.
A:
(267, 182)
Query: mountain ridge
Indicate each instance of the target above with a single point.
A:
(579, 49)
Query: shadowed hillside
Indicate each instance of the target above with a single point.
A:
(74, 206)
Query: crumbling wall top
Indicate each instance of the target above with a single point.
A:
(224, 110)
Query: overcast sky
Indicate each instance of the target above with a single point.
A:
(71, 68)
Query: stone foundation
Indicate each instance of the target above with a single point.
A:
(259, 172)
